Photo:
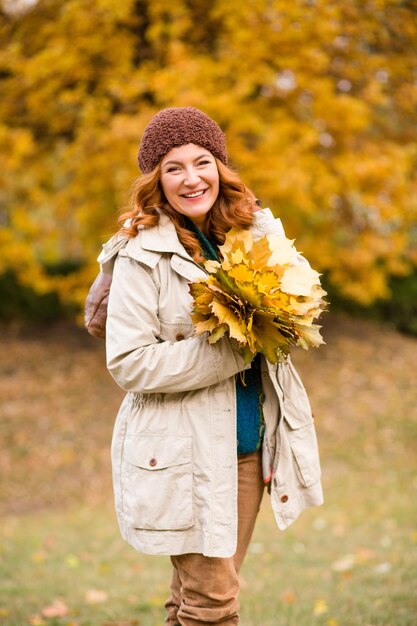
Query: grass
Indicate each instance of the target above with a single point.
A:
(351, 562)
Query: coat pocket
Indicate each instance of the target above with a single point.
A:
(158, 482)
(176, 331)
(304, 448)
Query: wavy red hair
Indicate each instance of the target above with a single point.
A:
(233, 207)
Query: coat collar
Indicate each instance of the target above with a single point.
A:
(151, 243)
(163, 238)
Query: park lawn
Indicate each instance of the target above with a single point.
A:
(351, 562)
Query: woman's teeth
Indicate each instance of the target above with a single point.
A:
(194, 195)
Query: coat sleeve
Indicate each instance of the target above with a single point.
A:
(136, 358)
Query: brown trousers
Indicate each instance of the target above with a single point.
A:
(204, 590)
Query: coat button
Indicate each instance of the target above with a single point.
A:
(284, 498)
(179, 336)
(153, 462)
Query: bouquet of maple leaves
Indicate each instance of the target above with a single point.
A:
(261, 295)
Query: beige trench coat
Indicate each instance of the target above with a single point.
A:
(174, 443)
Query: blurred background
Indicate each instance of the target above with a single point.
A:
(318, 100)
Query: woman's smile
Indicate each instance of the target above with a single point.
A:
(194, 194)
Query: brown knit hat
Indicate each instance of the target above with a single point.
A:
(171, 128)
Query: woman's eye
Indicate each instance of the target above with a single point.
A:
(203, 162)
(174, 168)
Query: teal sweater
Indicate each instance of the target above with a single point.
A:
(249, 395)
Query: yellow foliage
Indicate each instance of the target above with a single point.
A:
(318, 107)
(265, 309)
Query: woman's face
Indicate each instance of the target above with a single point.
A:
(190, 181)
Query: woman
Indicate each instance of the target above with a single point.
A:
(193, 445)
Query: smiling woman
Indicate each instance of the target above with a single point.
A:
(192, 445)
(190, 182)
(183, 156)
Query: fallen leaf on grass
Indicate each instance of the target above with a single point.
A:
(72, 561)
(49, 542)
(364, 554)
(57, 609)
(320, 607)
(288, 597)
(383, 568)
(4, 612)
(344, 564)
(95, 596)
(136, 567)
(38, 557)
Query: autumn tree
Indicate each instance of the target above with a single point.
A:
(317, 99)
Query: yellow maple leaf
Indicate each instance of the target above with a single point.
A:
(260, 253)
(249, 293)
(241, 273)
(218, 333)
(225, 282)
(225, 316)
(276, 300)
(303, 308)
(267, 281)
(204, 326)
(236, 256)
(234, 238)
(282, 251)
(310, 337)
(211, 266)
(270, 340)
(299, 279)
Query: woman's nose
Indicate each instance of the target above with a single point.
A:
(191, 177)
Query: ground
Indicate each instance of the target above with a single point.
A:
(350, 562)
